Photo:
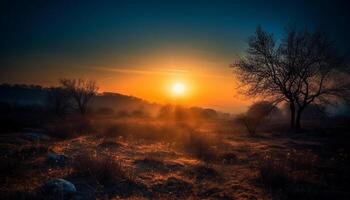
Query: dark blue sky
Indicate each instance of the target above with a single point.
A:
(83, 33)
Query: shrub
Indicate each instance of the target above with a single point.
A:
(256, 115)
(273, 173)
(101, 168)
(290, 177)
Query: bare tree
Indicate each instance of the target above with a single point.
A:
(302, 68)
(81, 91)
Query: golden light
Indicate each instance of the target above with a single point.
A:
(178, 89)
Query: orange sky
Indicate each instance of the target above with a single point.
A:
(140, 48)
(148, 75)
(209, 81)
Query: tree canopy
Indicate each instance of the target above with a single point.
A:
(302, 68)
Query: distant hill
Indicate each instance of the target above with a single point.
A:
(29, 95)
(23, 94)
(120, 102)
(20, 94)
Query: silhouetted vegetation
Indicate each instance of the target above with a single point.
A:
(81, 91)
(303, 68)
(101, 168)
(256, 115)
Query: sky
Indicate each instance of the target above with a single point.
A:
(142, 48)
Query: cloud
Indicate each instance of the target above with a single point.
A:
(138, 71)
(158, 71)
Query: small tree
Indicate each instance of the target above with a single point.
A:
(256, 115)
(58, 101)
(301, 69)
(81, 91)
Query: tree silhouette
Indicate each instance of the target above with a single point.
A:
(81, 91)
(302, 68)
(58, 101)
(256, 115)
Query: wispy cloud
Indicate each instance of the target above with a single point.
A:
(159, 71)
(140, 71)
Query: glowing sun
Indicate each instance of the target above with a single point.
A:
(178, 88)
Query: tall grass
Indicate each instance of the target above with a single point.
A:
(101, 168)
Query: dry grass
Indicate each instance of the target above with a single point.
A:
(228, 158)
(109, 144)
(30, 151)
(143, 130)
(101, 168)
(70, 128)
(9, 166)
(205, 171)
(201, 147)
(295, 176)
(274, 173)
(150, 160)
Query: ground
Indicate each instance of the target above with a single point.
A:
(233, 169)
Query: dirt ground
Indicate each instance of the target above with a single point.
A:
(165, 170)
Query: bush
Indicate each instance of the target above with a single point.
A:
(273, 173)
(291, 176)
(256, 115)
(101, 168)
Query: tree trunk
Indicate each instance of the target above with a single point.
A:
(298, 118)
(82, 110)
(292, 115)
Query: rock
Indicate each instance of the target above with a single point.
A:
(58, 189)
(56, 159)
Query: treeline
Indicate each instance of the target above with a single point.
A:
(23, 106)
(62, 100)
(266, 116)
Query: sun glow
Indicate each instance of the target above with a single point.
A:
(178, 89)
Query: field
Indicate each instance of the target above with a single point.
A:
(168, 159)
